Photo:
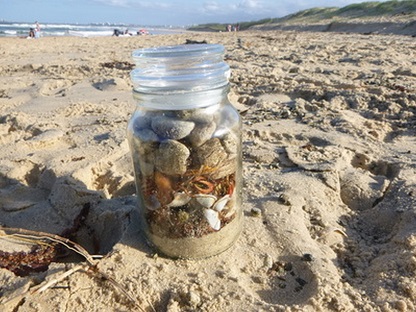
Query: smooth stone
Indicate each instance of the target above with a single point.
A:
(171, 157)
(199, 115)
(145, 150)
(143, 122)
(211, 153)
(170, 128)
(201, 134)
(230, 144)
(226, 168)
(147, 135)
(152, 203)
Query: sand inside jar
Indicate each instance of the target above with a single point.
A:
(198, 247)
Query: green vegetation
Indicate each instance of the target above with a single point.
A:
(377, 8)
(365, 10)
(314, 12)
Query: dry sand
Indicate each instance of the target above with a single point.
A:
(329, 162)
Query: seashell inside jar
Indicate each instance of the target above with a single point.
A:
(186, 150)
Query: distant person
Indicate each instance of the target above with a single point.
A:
(142, 32)
(31, 33)
(37, 30)
(117, 32)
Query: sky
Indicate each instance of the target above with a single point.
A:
(155, 12)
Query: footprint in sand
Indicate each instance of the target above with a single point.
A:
(112, 176)
(365, 184)
(289, 282)
(53, 87)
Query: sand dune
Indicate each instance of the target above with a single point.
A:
(407, 28)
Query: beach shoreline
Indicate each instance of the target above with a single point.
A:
(21, 30)
(329, 170)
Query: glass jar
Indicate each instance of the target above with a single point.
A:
(185, 141)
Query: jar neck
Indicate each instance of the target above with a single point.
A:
(181, 69)
(180, 100)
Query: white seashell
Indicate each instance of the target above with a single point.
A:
(205, 200)
(212, 218)
(152, 203)
(220, 204)
(179, 199)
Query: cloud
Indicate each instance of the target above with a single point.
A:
(250, 4)
(134, 4)
(222, 8)
(211, 7)
(120, 3)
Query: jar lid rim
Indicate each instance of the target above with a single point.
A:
(183, 50)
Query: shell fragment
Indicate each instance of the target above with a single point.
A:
(212, 218)
(220, 204)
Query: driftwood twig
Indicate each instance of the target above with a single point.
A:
(50, 240)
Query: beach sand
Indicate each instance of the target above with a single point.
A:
(329, 176)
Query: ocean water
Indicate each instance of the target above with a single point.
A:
(10, 29)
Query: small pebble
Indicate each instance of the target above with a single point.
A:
(257, 279)
(255, 212)
(194, 299)
(284, 199)
(268, 261)
(288, 266)
(307, 257)
(278, 267)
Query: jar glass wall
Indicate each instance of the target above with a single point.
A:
(185, 141)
